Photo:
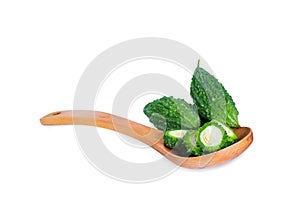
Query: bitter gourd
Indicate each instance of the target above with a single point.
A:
(184, 142)
(211, 137)
(231, 135)
(169, 113)
(212, 99)
(190, 143)
(173, 137)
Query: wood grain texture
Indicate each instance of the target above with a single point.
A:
(150, 136)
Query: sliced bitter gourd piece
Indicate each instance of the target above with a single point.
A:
(232, 137)
(173, 137)
(211, 137)
(190, 143)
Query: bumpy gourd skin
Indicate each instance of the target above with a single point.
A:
(212, 99)
(169, 113)
(170, 140)
(184, 146)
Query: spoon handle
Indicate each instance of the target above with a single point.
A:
(138, 131)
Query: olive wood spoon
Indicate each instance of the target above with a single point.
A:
(150, 136)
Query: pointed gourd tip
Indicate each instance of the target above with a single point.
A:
(198, 63)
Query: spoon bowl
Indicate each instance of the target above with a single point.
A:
(150, 136)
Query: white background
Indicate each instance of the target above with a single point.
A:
(253, 48)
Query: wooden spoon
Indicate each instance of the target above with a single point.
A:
(150, 136)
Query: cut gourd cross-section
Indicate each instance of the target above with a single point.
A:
(211, 137)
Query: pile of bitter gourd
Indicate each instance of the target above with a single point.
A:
(205, 127)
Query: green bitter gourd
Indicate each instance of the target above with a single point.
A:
(212, 99)
(211, 137)
(231, 135)
(169, 113)
(173, 137)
